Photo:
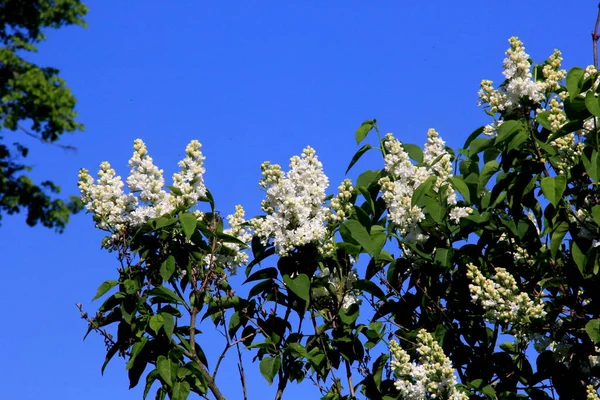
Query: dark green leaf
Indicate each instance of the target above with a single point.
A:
(574, 81)
(369, 287)
(105, 287)
(269, 367)
(358, 155)
(359, 233)
(507, 130)
(156, 322)
(267, 273)
(181, 391)
(188, 224)
(459, 184)
(367, 178)
(553, 188)
(150, 378)
(163, 366)
(363, 130)
(348, 316)
(166, 295)
(593, 330)
(592, 104)
(423, 189)
(135, 350)
(300, 286)
(168, 323)
(413, 151)
(167, 268)
(131, 286)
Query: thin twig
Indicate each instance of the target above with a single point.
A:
(349, 376)
(41, 139)
(227, 347)
(241, 371)
(595, 37)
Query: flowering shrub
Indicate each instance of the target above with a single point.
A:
(439, 275)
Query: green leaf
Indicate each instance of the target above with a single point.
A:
(596, 214)
(167, 268)
(266, 273)
(181, 391)
(488, 170)
(156, 322)
(443, 257)
(363, 130)
(359, 233)
(150, 378)
(135, 350)
(188, 224)
(459, 184)
(413, 151)
(105, 287)
(297, 350)
(163, 365)
(436, 211)
(592, 165)
(480, 144)
(358, 155)
(269, 366)
(593, 330)
(574, 81)
(553, 188)
(131, 286)
(592, 104)
(579, 257)
(369, 287)
(557, 237)
(165, 295)
(422, 190)
(507, 130)
(542, 119)
(348, 316)
(168, 323)
(300, 286)
(368, 178)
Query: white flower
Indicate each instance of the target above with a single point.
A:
(501, 299)
(190, 181)
(430, 377)
(405, 177)
(115, 211)
(519, 85)
(296, 215)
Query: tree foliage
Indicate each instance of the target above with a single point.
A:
(34, 101)
(437, 275)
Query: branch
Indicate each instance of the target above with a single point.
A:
(227, 347)
(349, 375)
(595, 38)
(41, 139)
(241, 371)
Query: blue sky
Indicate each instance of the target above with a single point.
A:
(253, 81)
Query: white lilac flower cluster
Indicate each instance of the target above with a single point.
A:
(114, 210)
(501, 299)
(405, 177)
(340, 204)
(294, 205)
(520, 87)
(431, 377)
(236, 257)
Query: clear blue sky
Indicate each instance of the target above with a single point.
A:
(253, 81)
